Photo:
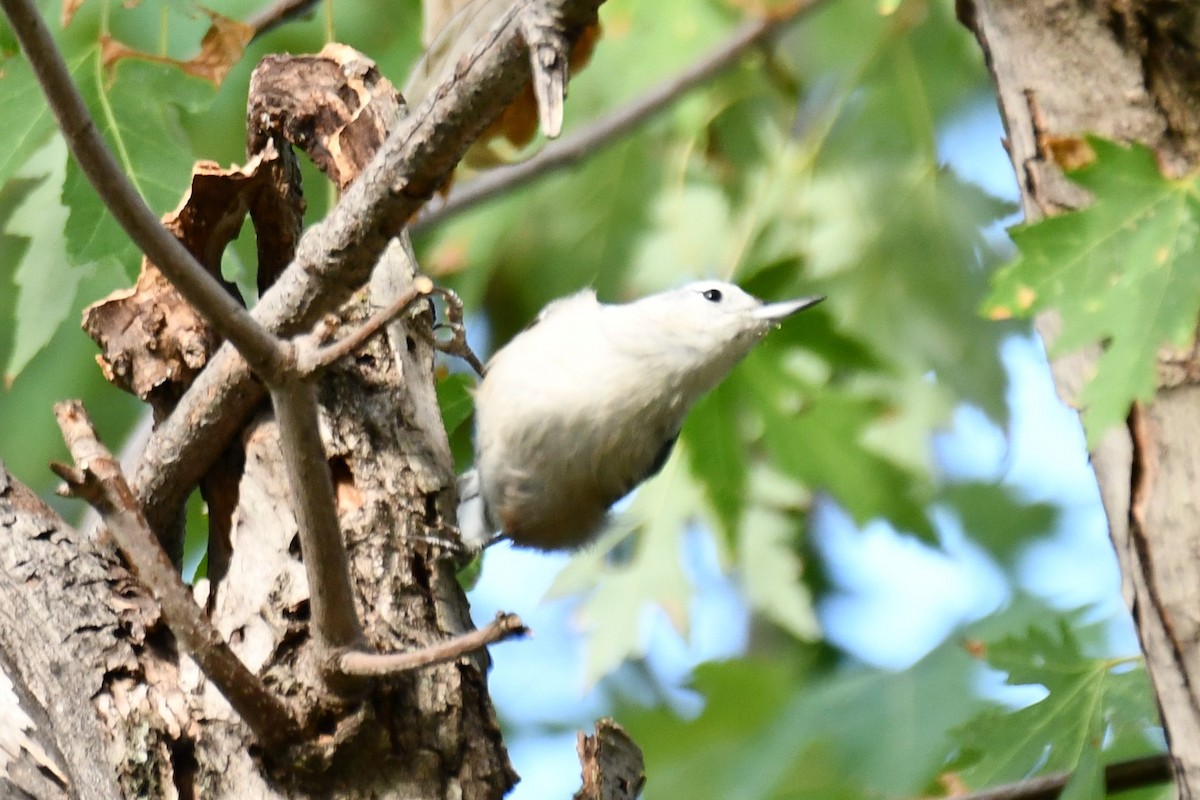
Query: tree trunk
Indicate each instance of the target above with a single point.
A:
(425, 734)
(1127, 70)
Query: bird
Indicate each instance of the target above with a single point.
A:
(587, 402)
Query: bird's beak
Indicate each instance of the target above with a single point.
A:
(785, 308)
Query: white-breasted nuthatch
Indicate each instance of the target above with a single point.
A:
(587, 403)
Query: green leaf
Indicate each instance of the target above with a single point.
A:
(683, 239)
(898, 251)
(137, 109)
(1087, 782)
(509, 246)
(45, 280)
(996, 519)
(912, 283)
(717, 453)
(454, 400)
(820, 438)
(25, 119)
(1120, 272)
(772, 729)
(767, 561)
(815, 330)
(1088, 701)
(621, 589)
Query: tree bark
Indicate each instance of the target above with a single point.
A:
(425, 734)
(1126, 70)
(50, 650)
(101, 681)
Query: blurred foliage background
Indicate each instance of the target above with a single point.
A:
(817, 165)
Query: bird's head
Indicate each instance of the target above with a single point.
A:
(713, 323)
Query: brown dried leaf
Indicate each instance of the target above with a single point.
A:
(277, 212)
(220, 49)
(113, 50)
(69, 7)
(152, 341)
(335, 106)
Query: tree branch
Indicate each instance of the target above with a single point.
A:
(294, 401)
(278, 13)
(311, 358)
(1119, 776)
(96, 477)
(226, 315)
(334, 619)
(335, 257)
(604, 131)
(358, 663)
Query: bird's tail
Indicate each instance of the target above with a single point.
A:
(473, 525)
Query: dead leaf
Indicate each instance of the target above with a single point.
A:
(335, 106)
(69, 7)
(220, 49)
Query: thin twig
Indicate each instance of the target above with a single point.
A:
(606, 130)
(1119, 776)
(357, 663)
(277, 13)
(335, 620)
(262, 350)
(96, 477)
(310, 360)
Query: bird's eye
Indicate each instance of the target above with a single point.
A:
(712, 295)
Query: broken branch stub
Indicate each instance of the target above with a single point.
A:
(612, 764)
